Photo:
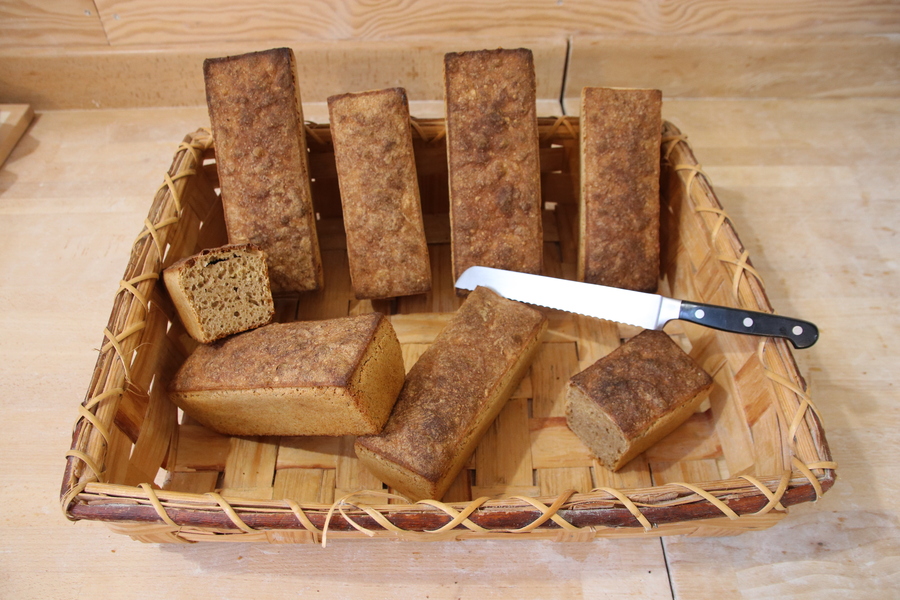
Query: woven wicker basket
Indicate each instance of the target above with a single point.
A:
(756, 447)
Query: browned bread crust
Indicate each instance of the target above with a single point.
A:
(494, 160)
(257, 122)
(331, 377)
(453, 393)
(634, 396)
(619, 217)
(376, 169)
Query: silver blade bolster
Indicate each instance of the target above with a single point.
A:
(649, 311)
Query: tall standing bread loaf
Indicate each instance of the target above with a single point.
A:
(453, 393)
(261, 157)
(619, 216)
(494, 160)
(376, 169)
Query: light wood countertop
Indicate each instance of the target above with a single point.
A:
(812, 187)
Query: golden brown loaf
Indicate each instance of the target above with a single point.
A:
(261, 157)
(494, 160)
(633, 397)
(332, 377)
(453, 393)
(619, 216)
(376, 169)
(221, 291)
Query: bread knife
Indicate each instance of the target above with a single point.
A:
(650, 311)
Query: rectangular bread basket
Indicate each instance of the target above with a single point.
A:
(753, 449)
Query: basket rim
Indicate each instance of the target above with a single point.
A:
(84, 495)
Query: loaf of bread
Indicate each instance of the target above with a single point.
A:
(376, 169)
(261, 157)
(331, 377)
(633, 397)
(620, 162)
(221, 291)
(452, 395)
(494, 160)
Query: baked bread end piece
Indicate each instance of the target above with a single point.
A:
(633, 397)
(221, 291)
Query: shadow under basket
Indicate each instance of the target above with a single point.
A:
(754, 448)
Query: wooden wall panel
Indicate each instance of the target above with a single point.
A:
(49, 22)
(179, 21)
(102, 77)
(737, 66)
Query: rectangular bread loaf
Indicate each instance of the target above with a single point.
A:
(619, 215)
(221, 291)
(261, 157)
(494, 160)
(376, 170)
(633, 397)
(452, 395)
(331, 377)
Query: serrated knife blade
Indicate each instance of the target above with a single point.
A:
(649, 311)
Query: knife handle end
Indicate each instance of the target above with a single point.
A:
(802, 334)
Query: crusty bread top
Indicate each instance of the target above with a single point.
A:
(281, 355)
(449, 387)
(206, 253)
(261, 156)
(494, 160)
(376, 166)
(620, 141)
(642, 380)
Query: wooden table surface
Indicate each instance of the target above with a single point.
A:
(813, 188)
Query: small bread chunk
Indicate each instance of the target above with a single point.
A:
(493, 160)
(331, 377)
(261, 157)
(221, 291)
(376, 169)
(633, 397)
(619, 215)
(453, 393)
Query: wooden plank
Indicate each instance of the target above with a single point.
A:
(740, 65)
(162, 75)
(14, 120)
(551, 369)
(168, 21)
(26, 23)
(503, 456)
(300, 485)
(250, 467)
(554, 445)
(308, 452)
(199, 449)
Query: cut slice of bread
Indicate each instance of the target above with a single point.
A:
(221, 291)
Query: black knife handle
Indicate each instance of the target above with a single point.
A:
(802, 334)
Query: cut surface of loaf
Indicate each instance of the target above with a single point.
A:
(633, 397)
(620, 132)
(261, 158)
(221, 291)
(452, 395)
(493, 160)
(331, 377)
(373, 151)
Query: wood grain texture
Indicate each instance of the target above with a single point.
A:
(158, 75)
(14, 120)
(76, 188)
(740, 65)
(25, 23)
(149, 21)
